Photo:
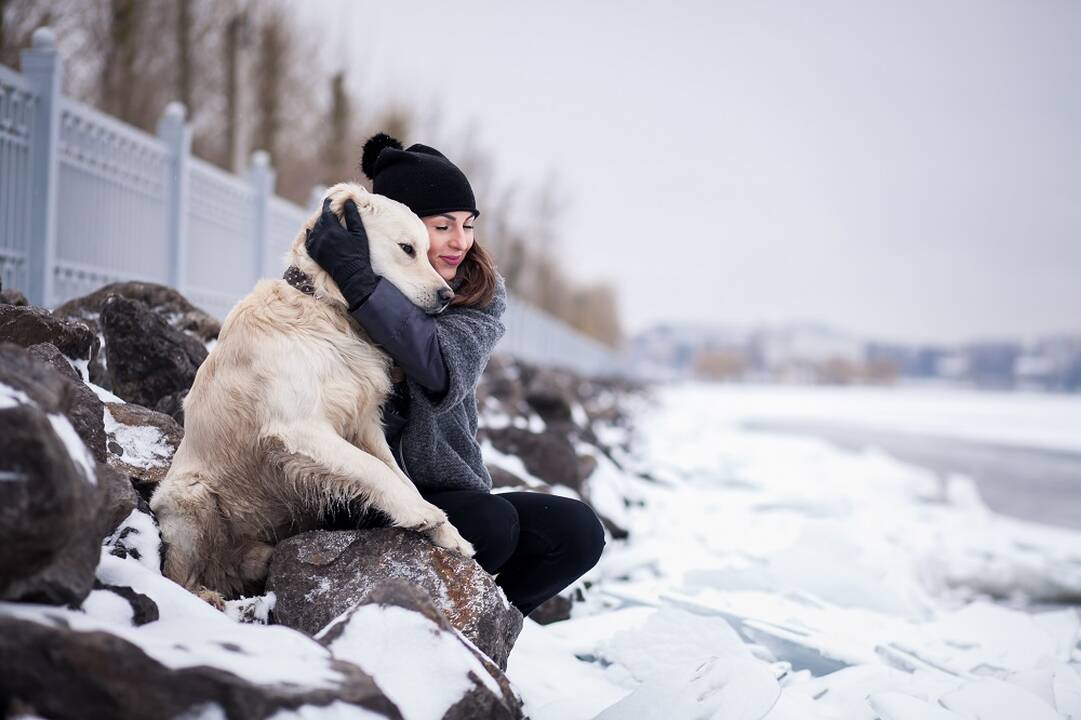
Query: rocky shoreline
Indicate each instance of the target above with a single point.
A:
(91, 409)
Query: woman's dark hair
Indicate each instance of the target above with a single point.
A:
(478, 273)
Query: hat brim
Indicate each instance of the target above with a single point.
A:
(438, 211)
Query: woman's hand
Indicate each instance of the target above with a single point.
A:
(343, 252)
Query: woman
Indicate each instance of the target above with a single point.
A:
(536, 544)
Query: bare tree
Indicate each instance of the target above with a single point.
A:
(121, 56)
(184, 69)
(18, 20)
(596, 314)
(236, 40)
(337, 143)
(302, 114)
(274, 55)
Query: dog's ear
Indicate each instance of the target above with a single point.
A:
(363, 199)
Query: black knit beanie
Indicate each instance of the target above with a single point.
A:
(420, 177)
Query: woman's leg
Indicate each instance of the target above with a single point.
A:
(486, 520)
(559, 539)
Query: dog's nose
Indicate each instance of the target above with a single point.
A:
(445, 295)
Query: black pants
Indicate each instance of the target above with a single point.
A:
(536, 542)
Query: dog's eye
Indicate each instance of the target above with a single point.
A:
(407, 249)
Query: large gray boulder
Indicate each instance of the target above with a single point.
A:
(49, 501)
(83, 407)
(163, 300)
(318, 575)
(146, 358)
(58, 500)
(28, 325)
(57, 672)
(167, 303)
(50, 492)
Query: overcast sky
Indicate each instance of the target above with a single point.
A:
(905, 170)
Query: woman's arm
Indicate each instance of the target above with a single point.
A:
(444, 354)
(405, 332)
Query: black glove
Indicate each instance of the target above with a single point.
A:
(343, 253)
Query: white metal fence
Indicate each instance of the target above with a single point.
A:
(86, 200)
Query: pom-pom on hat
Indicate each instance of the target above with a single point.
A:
(420, 177)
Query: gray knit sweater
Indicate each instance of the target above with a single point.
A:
(438, 445)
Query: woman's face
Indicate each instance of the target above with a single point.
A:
(451, 236)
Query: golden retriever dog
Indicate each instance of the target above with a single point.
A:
(283, 421)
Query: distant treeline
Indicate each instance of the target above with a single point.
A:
(252, 78)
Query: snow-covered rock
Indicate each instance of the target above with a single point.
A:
(50, 492)
(43, 374)
(442, 676)
(316, 576)
(141, 443)
(60, 663)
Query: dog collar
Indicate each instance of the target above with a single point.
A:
(302, 281)
(299, 279)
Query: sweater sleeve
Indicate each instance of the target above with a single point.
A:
(467, 336)
(406, 333)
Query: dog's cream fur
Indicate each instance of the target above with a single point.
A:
(283, 423)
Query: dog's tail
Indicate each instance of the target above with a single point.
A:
(193, 530)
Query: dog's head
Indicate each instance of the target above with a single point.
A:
(398, 245)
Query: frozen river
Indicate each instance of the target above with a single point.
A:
(1022, 449)
(1034, 484)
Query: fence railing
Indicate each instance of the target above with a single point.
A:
(86, 199)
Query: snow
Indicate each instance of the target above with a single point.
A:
(10, 397)
(493, 417)
(579, 415)
(767, 576)
(102, 355)
(75, 446)
(139, 536)
(424, 682)
(822, 583)
(325, 586)
(104, 395)
(190, 632)
(81, 366)
(108, 606)
(144, 445)
(993, 699)
(336, 710)
(718, 687)
(255, 609)
(553, 682)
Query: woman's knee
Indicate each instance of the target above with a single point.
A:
(588, 532)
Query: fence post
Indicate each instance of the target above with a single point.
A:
(41, 65)
(175, 133)
(261, 179)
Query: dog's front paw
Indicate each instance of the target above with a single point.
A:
(447, 536)
(423, 518)
(213, 597)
